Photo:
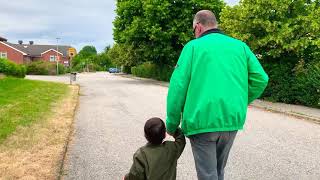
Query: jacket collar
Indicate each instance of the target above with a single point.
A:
(152, 145)
(210, 31)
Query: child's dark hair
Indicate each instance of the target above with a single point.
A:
(155, 131)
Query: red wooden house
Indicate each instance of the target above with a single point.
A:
(24, 53)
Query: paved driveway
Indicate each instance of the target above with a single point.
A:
(109, 128)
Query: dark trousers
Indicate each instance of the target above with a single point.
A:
(210, 152)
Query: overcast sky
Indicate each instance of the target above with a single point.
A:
(76, 22)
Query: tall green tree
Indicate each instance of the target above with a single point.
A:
(102, 59)
(85, 57)
(156, 31)
(285, 36)
(275, 28)
(88, 51)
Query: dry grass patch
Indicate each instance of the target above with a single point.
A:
(36, 151)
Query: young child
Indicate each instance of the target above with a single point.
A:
(157, 160)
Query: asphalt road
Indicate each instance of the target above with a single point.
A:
(109, 129)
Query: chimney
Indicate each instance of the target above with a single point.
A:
(20, 42)
(31, 42)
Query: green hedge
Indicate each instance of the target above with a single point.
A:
(288, 83)
(12, 69)
(150, 70)
(87, 68)
(293, 84)
(44, 68)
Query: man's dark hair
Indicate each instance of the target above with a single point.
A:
(155, 131)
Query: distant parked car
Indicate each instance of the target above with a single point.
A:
(114, 70)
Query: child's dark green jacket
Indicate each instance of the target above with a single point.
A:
(157, 162)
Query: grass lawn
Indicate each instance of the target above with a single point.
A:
(23, 102)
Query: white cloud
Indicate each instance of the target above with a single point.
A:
(77, 23)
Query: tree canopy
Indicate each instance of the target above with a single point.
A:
(276, 28)
(89, 60)
(285, 36)
(88, 51)
(156, 31)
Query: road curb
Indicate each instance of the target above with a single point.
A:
(292, 114)
(161, 83)
(69, 137)
(275, 110)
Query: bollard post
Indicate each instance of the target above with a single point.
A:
(73, 77)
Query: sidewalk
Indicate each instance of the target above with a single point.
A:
(298, 111)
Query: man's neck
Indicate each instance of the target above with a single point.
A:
(209, 28)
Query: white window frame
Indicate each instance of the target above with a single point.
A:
(4, 55)
(53, 58)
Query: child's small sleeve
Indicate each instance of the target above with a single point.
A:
(180, 141)
(137, 171)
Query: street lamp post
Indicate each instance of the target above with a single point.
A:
(57, 58)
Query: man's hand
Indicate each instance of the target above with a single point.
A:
(168, 133)
(176, 133)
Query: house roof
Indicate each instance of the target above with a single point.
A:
(3, 42)
(51, 50)
(37, 50)
(2, 39)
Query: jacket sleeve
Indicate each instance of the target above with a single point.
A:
(178, 87)
(137, 170)
(180, 141)
(258, 79)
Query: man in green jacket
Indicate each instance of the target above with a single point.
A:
(214, 81)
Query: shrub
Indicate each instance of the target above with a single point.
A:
(150, 70)
(307, 84)
(280, 81)
(11, 69)
(62, 69)
(288, 83)
(44, 68)
(91, 67)
(293, 84)
(68, 70)
(78, 68)
(38, 68)
(127, 69)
